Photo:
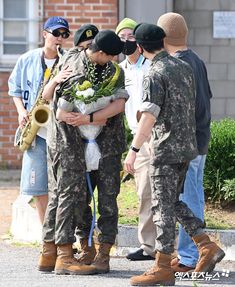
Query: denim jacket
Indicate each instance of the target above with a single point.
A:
(26, 77)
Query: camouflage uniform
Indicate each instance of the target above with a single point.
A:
(66, 180)
(169, 94)
(107, 181)
(112, 144)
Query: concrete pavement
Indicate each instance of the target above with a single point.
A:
(19, 263)
(19, 269)
(25, 225)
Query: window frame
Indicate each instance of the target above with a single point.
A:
(34, 12)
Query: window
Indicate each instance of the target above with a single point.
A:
(19, 28)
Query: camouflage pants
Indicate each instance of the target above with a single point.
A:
(107, 181)
(67, 194)
(167, 183)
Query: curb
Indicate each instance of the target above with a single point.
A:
(26, 227)
(127, 240)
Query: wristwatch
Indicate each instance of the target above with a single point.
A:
(91, 117)
(134, 148)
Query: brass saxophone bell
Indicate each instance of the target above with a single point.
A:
(39, 118)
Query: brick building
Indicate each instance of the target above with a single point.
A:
(21, 22)
(102, 13)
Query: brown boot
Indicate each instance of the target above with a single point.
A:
(209, 253)
(47, 257)
(161, 273)
(67, 264)
(87, 254)
(176, 266)
(101, 262)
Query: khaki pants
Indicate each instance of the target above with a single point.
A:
(146, 227)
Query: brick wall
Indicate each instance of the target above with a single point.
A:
(9, 156)
(102, 13)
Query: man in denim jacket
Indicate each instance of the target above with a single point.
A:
(24, 85)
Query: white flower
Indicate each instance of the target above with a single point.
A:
(86, 93)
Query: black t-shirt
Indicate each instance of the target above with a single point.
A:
(203, 96)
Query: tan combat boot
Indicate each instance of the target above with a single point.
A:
(209, 253)
(161, 273)
(48, 257)
(101, 261)
(176, 266)
(67, 264)
(88, 253)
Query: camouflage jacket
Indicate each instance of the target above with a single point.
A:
(111, 140)
(169, 94)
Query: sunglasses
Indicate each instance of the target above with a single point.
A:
(57, 33)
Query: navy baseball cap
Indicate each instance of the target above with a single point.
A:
(56, 22)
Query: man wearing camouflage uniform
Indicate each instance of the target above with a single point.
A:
(69, 200)
(175, 42)
(168, 110)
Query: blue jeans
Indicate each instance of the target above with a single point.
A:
(34, 169)
(193, 196)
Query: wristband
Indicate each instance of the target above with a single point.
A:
(91, 117)
(134, 148)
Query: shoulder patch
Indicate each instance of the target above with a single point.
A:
(146, 84)
(146, 92)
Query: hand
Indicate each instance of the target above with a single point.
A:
(23, 118)
(129, 162)
(63, 75)
(77, 119)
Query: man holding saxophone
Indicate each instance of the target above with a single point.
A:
(25, 86)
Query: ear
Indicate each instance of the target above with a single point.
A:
(140, 49)
(44, 34)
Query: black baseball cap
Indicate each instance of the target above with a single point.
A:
(148, 33)
(108, 42)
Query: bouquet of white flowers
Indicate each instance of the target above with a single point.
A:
(88, 98)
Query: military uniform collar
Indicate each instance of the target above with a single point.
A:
(159, 56)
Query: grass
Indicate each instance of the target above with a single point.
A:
(215, 223)
(9, 238)
(128, 209)
(26, 244)
(128, 204)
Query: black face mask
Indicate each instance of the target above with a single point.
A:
(129, 47)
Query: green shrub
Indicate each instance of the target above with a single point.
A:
(228, 189)
(220, 162)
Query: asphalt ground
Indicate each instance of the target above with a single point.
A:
(18, 263)
(18, 268)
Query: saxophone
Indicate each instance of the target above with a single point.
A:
(39, 115)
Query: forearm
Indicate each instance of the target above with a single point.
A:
(49, 89)
(19, 105)
(61, 115)
(116, 107)
(144, 129)
(98, 118)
